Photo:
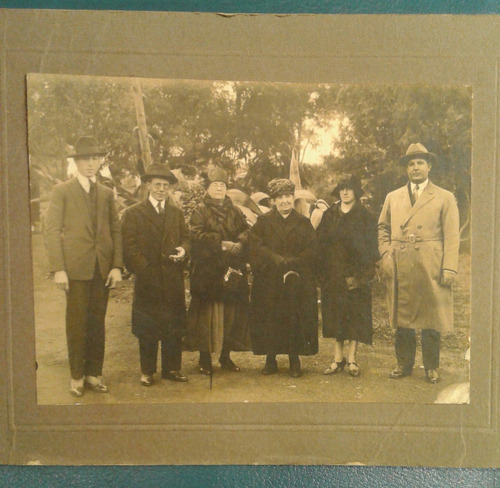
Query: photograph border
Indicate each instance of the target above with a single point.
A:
(461, 429)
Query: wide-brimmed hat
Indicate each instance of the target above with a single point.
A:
(348, 180)
(87, 146)
(417, 151)
(280, 186)
(158, 170)
(217, 174)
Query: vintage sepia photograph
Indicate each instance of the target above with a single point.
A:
(249, 242)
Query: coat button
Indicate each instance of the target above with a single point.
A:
(419, 227)
(417, 248)
(402, 246)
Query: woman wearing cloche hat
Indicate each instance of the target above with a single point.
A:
(217, 313)
(347, 237)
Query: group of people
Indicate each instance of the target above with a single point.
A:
(415, 246)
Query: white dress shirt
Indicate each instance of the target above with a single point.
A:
(155, 203)
(85, 182)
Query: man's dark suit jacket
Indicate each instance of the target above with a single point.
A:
(73, 245)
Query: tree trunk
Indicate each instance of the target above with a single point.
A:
(141, 123)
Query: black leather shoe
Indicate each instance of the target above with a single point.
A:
(400, 372)
(271, 367)
(227, 363)
(205, 369)
(147, 380)
(174, 376)
(432, 376)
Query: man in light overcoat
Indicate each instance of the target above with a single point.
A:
(418, 243)
(84, 247)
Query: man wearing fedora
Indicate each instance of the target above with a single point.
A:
(418, 242)
(155, 247)
(84, 246)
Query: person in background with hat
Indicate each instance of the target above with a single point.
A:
(284, 313)
(347, 239)
(155, 248)
(217, 317)
(84, 246)
(419, 237)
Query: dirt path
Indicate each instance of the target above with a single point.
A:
(121, 367)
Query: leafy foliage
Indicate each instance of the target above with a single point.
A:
(251, 129)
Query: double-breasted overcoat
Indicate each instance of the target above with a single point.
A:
(347, 249)
(416, 243)
(158, 307)
(282, 322)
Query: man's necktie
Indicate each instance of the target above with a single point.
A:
(161, 210)
(91, 188)
(415, 194)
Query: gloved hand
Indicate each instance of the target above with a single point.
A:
(227, 246)
(237, 249)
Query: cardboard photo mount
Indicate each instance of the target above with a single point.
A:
(378, 49)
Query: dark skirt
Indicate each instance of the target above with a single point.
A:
(347, 315)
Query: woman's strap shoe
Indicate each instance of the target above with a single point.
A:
(335, 367)
(353, 369)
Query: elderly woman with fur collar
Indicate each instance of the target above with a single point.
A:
(217, 317)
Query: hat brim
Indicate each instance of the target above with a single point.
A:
(148, 177)
(428, 156)
(358, 191)
(87, 154)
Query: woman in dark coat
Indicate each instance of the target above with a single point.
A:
(284, 309)
(347, 237)
(217, 316)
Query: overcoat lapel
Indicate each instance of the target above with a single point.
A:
(77, 195)
(424, 199)
(149, 211)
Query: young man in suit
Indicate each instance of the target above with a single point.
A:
(155, 247)
(84, 246)
(418, 243)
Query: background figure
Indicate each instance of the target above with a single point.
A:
(84, 246)
(217, 317)
(347, 239)
(419, 239)
(155, 244)
(284, 315)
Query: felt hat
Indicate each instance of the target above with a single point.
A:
(218, 174)
(417, 151)
(87, 146)
(351, 181)
(158, 170)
